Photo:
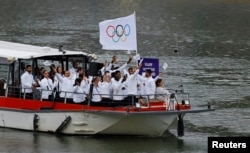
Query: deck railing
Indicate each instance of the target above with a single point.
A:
(138, 101)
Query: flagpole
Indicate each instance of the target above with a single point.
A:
(178, 55)
(135, 34)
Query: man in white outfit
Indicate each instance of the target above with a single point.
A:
(28, 83)
(118, 87)
(73, 70)
(132, 81)
(66, 84)
(148, 85)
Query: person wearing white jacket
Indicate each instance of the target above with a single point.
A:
(73, 70)
(105, 88)
(118, 87)
(132, 81)
(66, 85)
(161, 93)
(95, 96)
(148, 85)
(46, 85)
(132, 84)
(79, 92)
(28, 83)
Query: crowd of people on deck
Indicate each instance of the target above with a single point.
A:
(116, 84)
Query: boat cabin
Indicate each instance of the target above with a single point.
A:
(15, 57)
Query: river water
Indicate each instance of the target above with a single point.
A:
(213, 63)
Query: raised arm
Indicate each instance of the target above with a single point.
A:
(59, 77)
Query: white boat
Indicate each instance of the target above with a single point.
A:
(61, 117)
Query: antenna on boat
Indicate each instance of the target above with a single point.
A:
(178, 54)
(60, 48)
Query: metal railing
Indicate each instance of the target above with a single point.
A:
(139, 101)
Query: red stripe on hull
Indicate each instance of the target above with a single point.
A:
(26, 104)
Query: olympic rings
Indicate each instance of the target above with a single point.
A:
(118, 33)
(126, 26)
(107, 31)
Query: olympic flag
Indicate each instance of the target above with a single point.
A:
(119, 34)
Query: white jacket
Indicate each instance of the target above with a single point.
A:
(147, 87)
(105, 89)
(27, 80)
(79, 94)
(66, 85)
(47, 87)
(161, 93)
(132, 82)
(96, 94)
(119, 89)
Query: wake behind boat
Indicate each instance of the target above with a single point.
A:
(26, 108)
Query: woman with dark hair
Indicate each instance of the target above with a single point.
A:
(95, 92)
(161, 93)
(105, 88)
(59, 70)
(47, 86)
(58, 84)
(79, 92)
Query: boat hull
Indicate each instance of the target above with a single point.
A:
(88, 122)
(78, 119)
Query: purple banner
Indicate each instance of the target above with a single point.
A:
(150, 63)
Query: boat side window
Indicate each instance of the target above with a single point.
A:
(19, 69)
(3, 78)
(79, 60)
(13, 76)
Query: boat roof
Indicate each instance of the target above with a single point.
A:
(16, 51)
(3, 61)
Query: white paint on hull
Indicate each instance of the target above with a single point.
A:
(90, 123)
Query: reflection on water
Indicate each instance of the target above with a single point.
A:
(39, 142)
(213, 64)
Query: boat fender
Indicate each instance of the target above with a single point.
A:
(63, 125)
(180, 127)
(35, 122)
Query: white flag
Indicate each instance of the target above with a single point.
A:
(137, 57)
(47, 63)
(119, 34)
(165, 66)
